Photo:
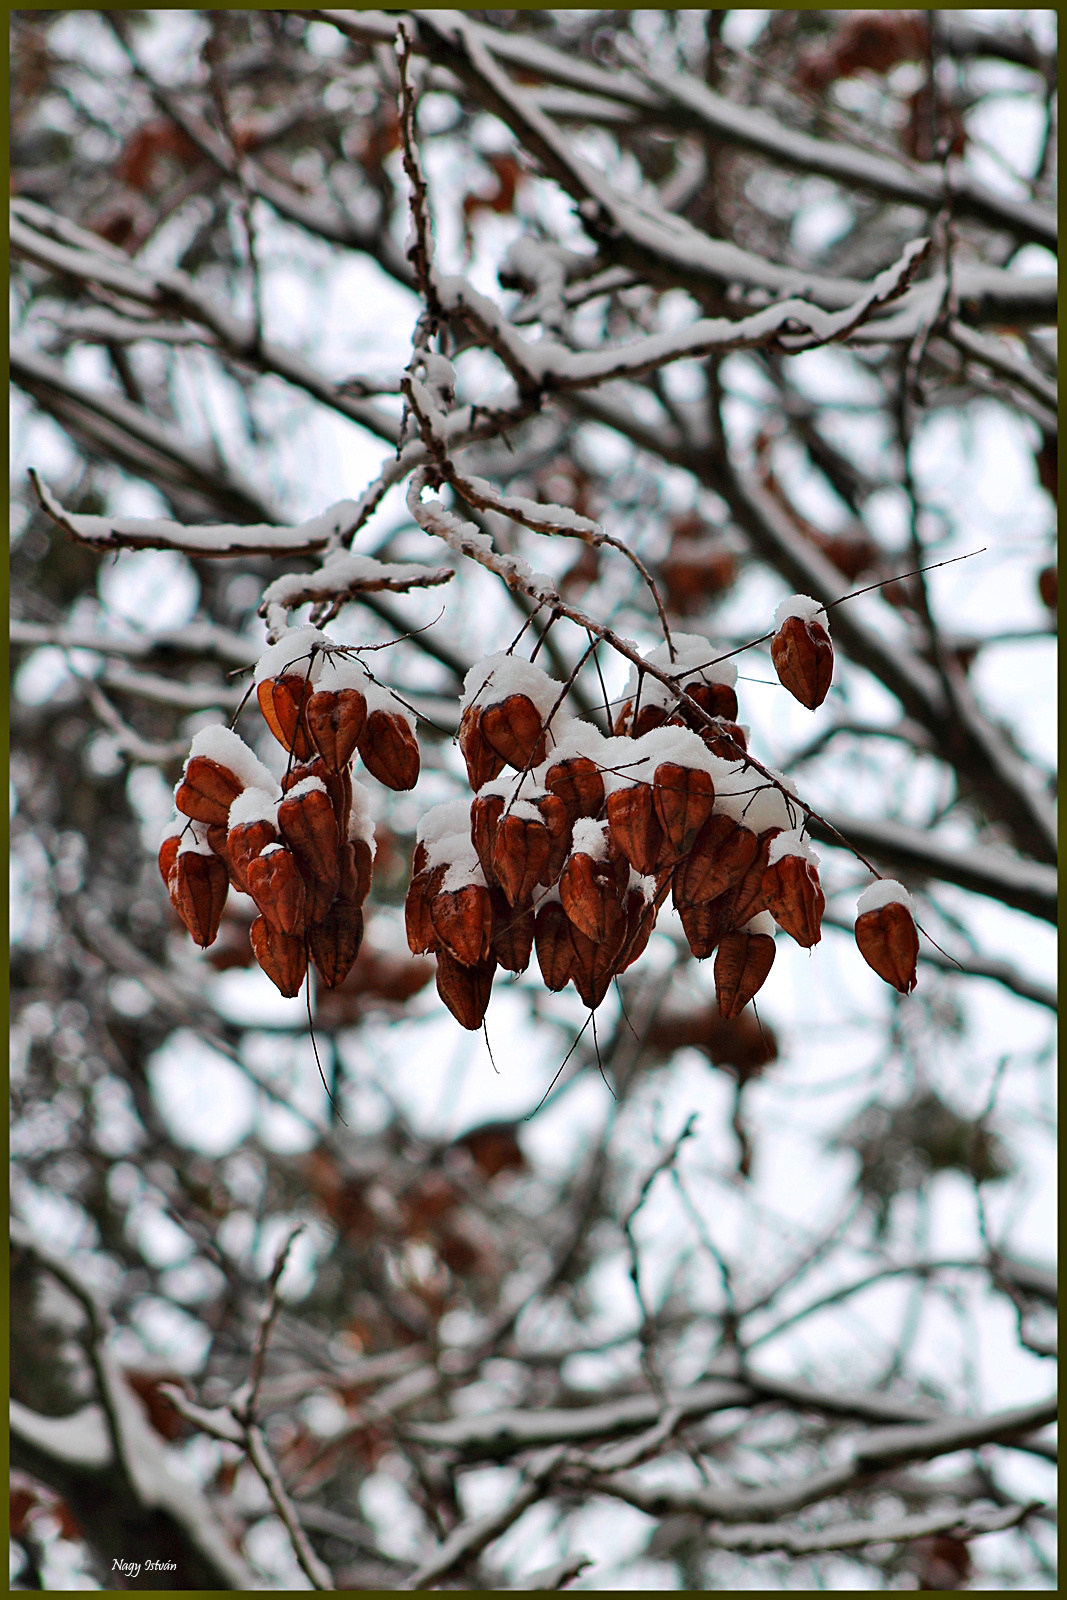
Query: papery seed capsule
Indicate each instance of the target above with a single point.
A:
(463, 921)
(338, 786)
(283, 702)
(389, 750)
(727, 740)
(486, 811)
(683, 797)
(357, 871)
(309, 827)
(640, 921)
(483, 762)
(168, 856)
(207, 790)
(595, 962)
(706, 924)
(465, 990)
(793, 895)
(514, 730)
(198, 887)
(554, 945)
(244, 842)
(282, 957)
(635, 827)
(579, 784)
(721, 854)
(335, 942)
(513, 933)
(803, 658)
(520, 854)
(717, 699)
(217, 837)
(742, 962)
(587, 891)
(751, 892)
(648, 717)
(336, 719)
(557, 820)
(888, 942)
(276, 884)
(418, 923)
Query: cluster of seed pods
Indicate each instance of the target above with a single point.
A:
(303, 849)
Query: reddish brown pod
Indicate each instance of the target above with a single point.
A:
(483, 762)
(309, 827)
(276, 884)
(388, 747)
(198, 887)
(253, 824)
(336, 711)
(886, 934)
(588, 884)
(513, 728)
(801, 650)
(577, 782)
(463, 921)
(334, 942)
(465, 989)
(520, 851)
(635, 826)
(282, 957)
(791, 889)
(742, 962)
(418, 923)
(506, 706)
(721, 854)
(554, 945)
(683, 798)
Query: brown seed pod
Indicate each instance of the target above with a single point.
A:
(282, 957)
(635, 827)
(742, 963)
(683, 797)
(465, 990)
(335, 942)
(357, 871)
(521, 848)
(418, 924)
(557, 820)
(793, 896)
(578, 782)
(513, 933)
(706, 924)
(207, 790)
(595, 962)
(198, 887)
(338, 786)
(804, 660)
(486, 811)
(554, 945)
(725, 739)
(513, 729)
(389, 750)
(463, 921)
(589, 894)
(336, 719)
(168, 856)
(276, 884)
(483, 762)
(245, 842)
(309, 827)
(283, 702)
(888, 942)
(717, 699)
(721, 854)
(751, 891)
(640, 921)
(216, 837)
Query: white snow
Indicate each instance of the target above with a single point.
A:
(361, 818)
(791, 843)
(464, 868)
(590, 838)
(255, 805)
(229, 750)
(762, 922)
(765, 809)
(305, 786)
(292, 653)
(342, 672)
(173, 827)
(801, 605)
(694, 663)
(440, 821)
(379, 698)
(498, 676)
(884, 892)
(195, 841)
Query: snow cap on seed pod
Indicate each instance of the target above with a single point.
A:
(694, 663)
(496, 677)
(254, 805)
(767, 808)
(886, 934)
(292, 654)
(590, 838)
(195, 839)
(763, 922)
(791, 843)
(361, 818)
(439, 821)
(801, 651)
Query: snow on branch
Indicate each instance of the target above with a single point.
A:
(211, 539)
(341, 577)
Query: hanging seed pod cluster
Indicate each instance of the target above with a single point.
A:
(303, 849)
(571, 855)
